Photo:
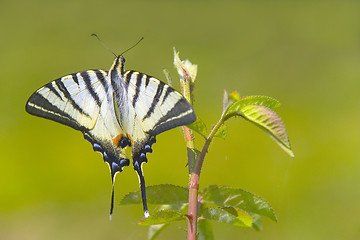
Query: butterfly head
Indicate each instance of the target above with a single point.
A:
(118, 66)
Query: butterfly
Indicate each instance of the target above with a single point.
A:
(114, 110)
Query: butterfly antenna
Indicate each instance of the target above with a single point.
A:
(102, 43)
(142, 38)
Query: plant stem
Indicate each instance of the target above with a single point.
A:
(194, 183)
(186, 90)
(204, 150)
(194, 178)
(188, 137)
(193, 206)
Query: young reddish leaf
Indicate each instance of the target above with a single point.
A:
(199, 127)
(185, 68)
(270, 122)
(238, 198)
(205, 230)
(162, 217)
(159, 194)
(257, 100)
(230, 215)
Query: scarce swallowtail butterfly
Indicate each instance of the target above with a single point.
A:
(114, 109)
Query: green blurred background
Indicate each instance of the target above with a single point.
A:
(304, 53)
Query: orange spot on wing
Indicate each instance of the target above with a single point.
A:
(116, 140)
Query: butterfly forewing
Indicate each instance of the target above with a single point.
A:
(68, 100)
(157, 107)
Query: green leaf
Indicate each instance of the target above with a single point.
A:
(229, 215)
(159, 194)
(251, 100)
(221, 132)
(155, 230)
(205, 231)
(199, 127)
(270, 123)
(161, 217)
(238, 198)
(257, 222)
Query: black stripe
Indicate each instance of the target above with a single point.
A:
(54, 113)
(167, 93)
(52, 89)
(155, 100)
(137, 90)
(180, 107)
(102, 79)
(75, 78)
(89, 87)
(127, 79)
(63, 89)
(115, 75)
(147, 81)
(114, 78)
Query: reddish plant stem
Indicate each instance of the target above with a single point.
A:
(193, 206)
(194, 178)
(188, 137)
(193, 192)
(194, 184)
(186, 89)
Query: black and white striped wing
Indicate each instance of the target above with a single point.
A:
(156, 107)
(81, 101)
(73, 100)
